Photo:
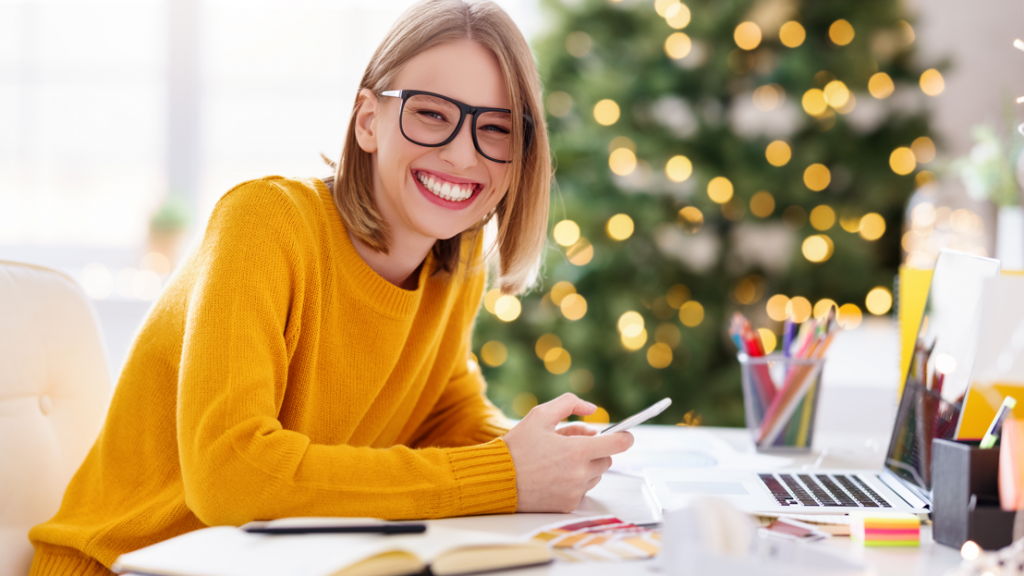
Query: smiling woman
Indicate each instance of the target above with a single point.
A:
(312, 357)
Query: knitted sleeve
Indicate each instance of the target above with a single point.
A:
(237, 461)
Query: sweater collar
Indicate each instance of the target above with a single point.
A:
(386, 298)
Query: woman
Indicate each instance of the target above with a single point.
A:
(311, 358)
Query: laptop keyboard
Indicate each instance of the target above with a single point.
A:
(822, 490)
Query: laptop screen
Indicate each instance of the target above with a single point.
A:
(940, 369)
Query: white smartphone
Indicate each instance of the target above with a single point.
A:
(639, 417)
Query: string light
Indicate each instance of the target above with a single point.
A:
(747, 35)
(668, 334)
(507, 308)
(606, 112)
(776, 307)
(836, 94)
(491, 298)
(566, 232)
(841, 32)
(634, 343)
(932, 82)
(691, 219)
(768, 97)
(678, 46)
(814, 102)
(850, 221)
(578, 43)
(902, 161)
(677, 15)
(560, 290)
(557, 360)
(817, 177)
(662, 6)
(762, 204)
(559, 104)
(924, 150)
(574, 306)
(621, 142)
(778, 153)
(581, 253)
(523, 403)
(545, 343)
(678, 168)
(494, 353)
(720, 189)
(878, 300)
(622, 161)
(817, 248)
(881, 86)
(677, 295)
(691, 314)
(620, 227)
(849, 316)
(823, 217)
(768, 340)
(823, 306)
(798, 309)
(659, 355)
(600, 416)
(872, 226)
(792, 34)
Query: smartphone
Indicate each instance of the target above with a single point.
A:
(639, 417)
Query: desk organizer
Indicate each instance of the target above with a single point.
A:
(780, 397)
(965, 496)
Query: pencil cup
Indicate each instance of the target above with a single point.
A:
(780, 396)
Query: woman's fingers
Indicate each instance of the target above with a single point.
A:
(576, 429)
(600, 466)
(603, 445)
(553, 412)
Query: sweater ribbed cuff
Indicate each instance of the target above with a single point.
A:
(486, 478)
(59, 561)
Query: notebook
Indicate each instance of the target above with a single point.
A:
(229, 551)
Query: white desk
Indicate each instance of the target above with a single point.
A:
(624, 496)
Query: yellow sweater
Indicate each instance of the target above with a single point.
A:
(277, 376)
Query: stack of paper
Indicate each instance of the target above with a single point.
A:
(885, 530)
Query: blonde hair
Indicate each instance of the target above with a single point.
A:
(522, 214)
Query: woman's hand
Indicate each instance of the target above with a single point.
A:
(555, 468)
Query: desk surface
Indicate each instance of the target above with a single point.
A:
(625, 496)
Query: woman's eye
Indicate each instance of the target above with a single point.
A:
(431, 114)
(495, 129)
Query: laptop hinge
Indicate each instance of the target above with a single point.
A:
(897, 485)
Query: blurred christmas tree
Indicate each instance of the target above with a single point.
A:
(713, 156)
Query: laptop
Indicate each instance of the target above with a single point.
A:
(904, 483)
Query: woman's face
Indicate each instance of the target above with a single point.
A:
(421, 190)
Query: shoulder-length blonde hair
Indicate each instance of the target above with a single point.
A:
(522, 215)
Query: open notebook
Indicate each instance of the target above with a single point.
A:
(228, 551)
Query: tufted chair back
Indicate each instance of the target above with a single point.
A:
(54, 393)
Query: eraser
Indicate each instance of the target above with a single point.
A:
(891, 529)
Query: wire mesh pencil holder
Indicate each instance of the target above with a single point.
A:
(780, 398)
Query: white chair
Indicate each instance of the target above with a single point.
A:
(54, 392)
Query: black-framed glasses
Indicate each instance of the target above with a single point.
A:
(433, 120)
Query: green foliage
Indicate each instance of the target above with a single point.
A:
(687, 107)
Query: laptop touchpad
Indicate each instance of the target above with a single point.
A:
(734, 488)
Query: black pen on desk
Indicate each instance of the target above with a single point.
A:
(387, 529)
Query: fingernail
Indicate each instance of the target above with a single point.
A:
(590, 405)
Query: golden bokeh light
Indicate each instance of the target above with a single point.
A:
(574, 306)
(851, 103)
(621, 142)
(850, 316)
(662, 6)
(606, 112)
(677, 15)
(581, 253)
(747, 35)
(507, 308)
(745, 291)
(822, 307)
(817, 177)
(932, 82)
(677, 295)
(659, 355)
(557, 360)
(566, 232)
(762, 204)
(578, 43)
(849, 220)
(619, 227)
(523, 403)
(881, 86)
(622, 161)
(925, 177)
(560, 290)
(836, 94)
(792, 34)
(668, 334)
(768, 97)
(908, 32)
(776, 307)
(559, 104)
(634, 343)
(720, 189)
(924, 150)
(581, 381)
(494, 353)
(778, 153)
(631, 323)
(600, 416)
(545, 343)
(691, 219)
(798, 309)
(691, 313)
(814, 102)
(902, 161)
(872, 226)
(678, 168)
(491, 298)
(768, 340)
(823, 217)
(817, 248)
(678, 46)
(841, 32)
(878, 300)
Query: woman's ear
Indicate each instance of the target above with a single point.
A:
(366, 121)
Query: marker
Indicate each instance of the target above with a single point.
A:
(996, 427)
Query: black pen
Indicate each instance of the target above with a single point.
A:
(263, 528)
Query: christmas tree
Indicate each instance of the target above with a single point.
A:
(711, 156)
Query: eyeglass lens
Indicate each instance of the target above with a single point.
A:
(429, 120)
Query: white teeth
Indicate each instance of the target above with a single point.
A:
(446, 190)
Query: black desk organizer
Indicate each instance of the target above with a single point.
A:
(965, 496)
